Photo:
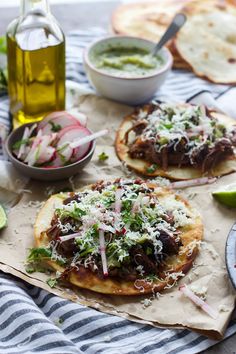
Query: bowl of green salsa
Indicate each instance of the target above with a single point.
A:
(122, 68)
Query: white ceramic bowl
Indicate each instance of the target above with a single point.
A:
(135, 90)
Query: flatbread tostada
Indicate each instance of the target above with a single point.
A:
(177, 141)
(125, 237)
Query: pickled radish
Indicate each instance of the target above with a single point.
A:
(71, 134)
(61, 139)
(81, 117)
(56, 121)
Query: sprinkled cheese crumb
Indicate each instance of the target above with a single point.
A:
(146, 302)
(223, 308)
(199, 291)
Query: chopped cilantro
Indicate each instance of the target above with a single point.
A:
(103, 157)
(148, 251)
(18, 144)
(37, 254)
(55, 127)
(32, 268)
(52, 282)
(152, 168)
(75, 214)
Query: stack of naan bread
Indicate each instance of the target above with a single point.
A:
(207, 42)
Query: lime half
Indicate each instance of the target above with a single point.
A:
(226, 195)
(3, 218)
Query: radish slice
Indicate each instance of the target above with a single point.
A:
(193, 182)
(103, 252)
(56, 121)
(22, 147)
(32, 155)
(73, 133)
(81, 117)
(197, 301)
(85, 140)
(46, 155)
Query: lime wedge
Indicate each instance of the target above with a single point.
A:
(3, 218)
(226, 195)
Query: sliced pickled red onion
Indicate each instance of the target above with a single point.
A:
(137, 203)
(103, 252)
(107, 228)
(193, 182)
(118, 195)
(145, 200)
(197, 301)
(88, 139)
(69, 237)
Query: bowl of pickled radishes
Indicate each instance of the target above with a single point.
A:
(57, 147)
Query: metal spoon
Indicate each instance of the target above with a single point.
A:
(174, 27)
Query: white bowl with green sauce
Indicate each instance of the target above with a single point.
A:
(122, 69)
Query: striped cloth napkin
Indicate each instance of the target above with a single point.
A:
(33, 320)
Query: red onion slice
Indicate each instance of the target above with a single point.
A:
(69, 237)
(103, 252)
(193, 182)
(118, 195)
(197, 301)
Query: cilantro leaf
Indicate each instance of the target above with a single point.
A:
(76, 213)
(152, 168)
(37, 254)
(103, 157)
(18, 144)
(55, 127)
(52, 282)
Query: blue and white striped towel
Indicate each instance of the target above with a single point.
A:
(34, 321)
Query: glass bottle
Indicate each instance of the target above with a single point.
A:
(36, 63)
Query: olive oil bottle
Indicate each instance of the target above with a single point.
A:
(36, 63)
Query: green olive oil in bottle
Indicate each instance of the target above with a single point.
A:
(36, 63)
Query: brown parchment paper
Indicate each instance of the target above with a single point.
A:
(171, 309)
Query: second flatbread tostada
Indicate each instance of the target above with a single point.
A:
(177, 141)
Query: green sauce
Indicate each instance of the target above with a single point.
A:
(127, 62)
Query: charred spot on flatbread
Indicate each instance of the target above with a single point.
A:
(156, 234)
(177, 146)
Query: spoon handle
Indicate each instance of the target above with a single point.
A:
(174, 27)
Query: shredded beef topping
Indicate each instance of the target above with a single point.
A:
(140, 230)
(179, 136)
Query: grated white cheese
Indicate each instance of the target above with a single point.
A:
(200, 291)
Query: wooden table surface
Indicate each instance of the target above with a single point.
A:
(84, 16)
